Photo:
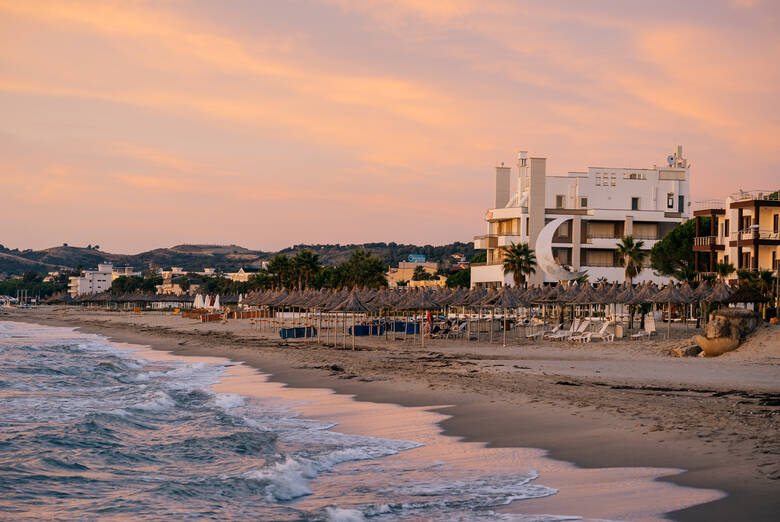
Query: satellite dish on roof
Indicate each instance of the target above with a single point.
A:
(670, 159)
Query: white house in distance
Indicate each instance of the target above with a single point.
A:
(592, 211)
(92, 281)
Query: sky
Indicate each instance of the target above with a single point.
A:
(136, 125)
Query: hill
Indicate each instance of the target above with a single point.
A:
(196, 257)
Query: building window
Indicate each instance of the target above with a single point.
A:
(726, 229)
(559, 201)
(681, 204)
(670, 200)
(776, 224)
(584, 204)
(634, 203)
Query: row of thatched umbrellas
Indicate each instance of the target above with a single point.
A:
(370, 301)
(367, 301)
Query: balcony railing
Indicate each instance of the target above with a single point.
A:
(753, 233)
(705, 241)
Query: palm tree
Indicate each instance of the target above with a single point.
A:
(521, 261)
(306, 264)
(631, 256)
(724, 270)
(279, 269)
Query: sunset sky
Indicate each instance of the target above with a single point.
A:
(137, 125)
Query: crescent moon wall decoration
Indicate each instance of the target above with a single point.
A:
(544, 256)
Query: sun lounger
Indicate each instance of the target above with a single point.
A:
(649, 330)
(543, 333)
(566, 333)
(458, 332)
(600, 334)
(579, 334)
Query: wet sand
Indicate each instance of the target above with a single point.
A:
(595, 406)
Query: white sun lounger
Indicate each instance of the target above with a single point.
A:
(649, 330)
(581, 331)
(600, 334)
(566, 333)
(542, 332)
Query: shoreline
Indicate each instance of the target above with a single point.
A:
(588, 437)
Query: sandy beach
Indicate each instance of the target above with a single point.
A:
(596, 405)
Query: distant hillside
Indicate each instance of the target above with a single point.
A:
(196, 257)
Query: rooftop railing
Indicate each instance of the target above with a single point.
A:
(708, 204)
(766, 195)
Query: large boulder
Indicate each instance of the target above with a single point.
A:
(726, 329)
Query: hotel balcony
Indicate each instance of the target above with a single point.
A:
(485, 242)
(752, 236)
(508, 240)
(706, 244)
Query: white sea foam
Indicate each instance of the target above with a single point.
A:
(287, 480)
(336, 514)
(228, 401)
(159, 401)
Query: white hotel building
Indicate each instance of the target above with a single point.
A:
(593, 209)
(96, 281)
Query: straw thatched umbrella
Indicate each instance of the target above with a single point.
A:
(670, 294)
(746, 294)
(720, 293)
(507, 298)
(353, 305)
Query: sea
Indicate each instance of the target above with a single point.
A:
(92, 429)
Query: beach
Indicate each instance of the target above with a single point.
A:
(597, 405)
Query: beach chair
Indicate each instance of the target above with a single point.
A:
(544, 333)
(566, 333)
(458, 332)
(579, 334)
(649, 330)
(600, 334)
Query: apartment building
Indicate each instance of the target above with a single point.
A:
(743, 229)
(95, 281)
(92, 281)
(575, 221)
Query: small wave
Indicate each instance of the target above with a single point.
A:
(336, 514)
(286, 480)
(159, 401)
